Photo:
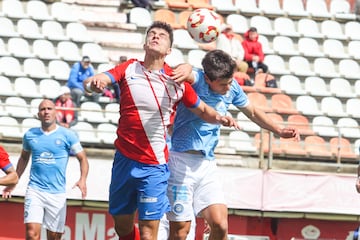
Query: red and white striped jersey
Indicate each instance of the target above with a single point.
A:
(147, 100)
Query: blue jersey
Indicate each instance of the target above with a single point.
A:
(193, 133)
(50, 155)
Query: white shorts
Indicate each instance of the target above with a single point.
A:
(193, 185)
(46, 209)
(164, 229)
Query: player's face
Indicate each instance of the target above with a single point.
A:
(158, 41)
(220, 86)
(47, 113)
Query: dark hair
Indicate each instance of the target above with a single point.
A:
(217, 64)
(253, 29)
(162, 25)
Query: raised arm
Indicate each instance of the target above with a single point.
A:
(97, 83)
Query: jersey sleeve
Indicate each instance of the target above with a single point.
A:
(190, 98)
(118, 72)
(4, 159)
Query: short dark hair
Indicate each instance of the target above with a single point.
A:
(253, 29)
(162, 25)
(217, 64)
(85, 59)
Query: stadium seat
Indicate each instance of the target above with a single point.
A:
(53, 31)
(300, 66)
(95, 52)
(44, 49)
(183, 40)
(167, 15)
(316, 146)
(248, 7)
(224, 6)
(352, 49)
(141, 17)
(183, 17)
(357, 88)
(49, 88)
(241, 141)
(263, 25)
(276, 118)
(68, 51)
(28, 28)
(34, 105)
(10, 128)
(318, 9)
(17, 107)
(26, 87)
(301, 123)
(246, 124)
(175, 57)
(316, 86)
(10, 66)
(103, 67)
(264, 143)
(265, 45)
(59, 70)
(349, 68)
(38, 10)
(352, 107)
(106, 133)
(292, 147)
(283, 104)
(294, 8)
(13, 9)
(348, 127)
(325, 67)
(271, 8)
(111, 113)
(177, 4)
(259, 100)
(7, 28)
(309, 28)
(352, 30)
(238, 22)
(195, 56)
(291, 85)
(276, 64)
(77, 32)
(35, 68)
(284, 45)
(285, 27)
(340, 9)
(91, 112)
(357, 147)
(307, 105)
(28, 123)
(63, 12)
(342, 147)
(19, 48)
(332, 30)
(324, 126)
(333, 48)
(309, 47)
(86, 133)
(332, 106)
(6, 88)
(340, 87)
(195, 4)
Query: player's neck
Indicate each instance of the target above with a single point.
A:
(153, 63)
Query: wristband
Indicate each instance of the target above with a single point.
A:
(88, 87)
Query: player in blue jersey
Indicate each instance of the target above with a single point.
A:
(45, 198)
(193, 184)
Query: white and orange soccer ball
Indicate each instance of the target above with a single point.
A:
(204, 25)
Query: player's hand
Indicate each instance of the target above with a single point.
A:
(95, 84)
(290, 133)
(82, 186)
(228, 121)
(7, 191)
(182, 72)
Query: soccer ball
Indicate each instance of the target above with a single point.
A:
(204, 25)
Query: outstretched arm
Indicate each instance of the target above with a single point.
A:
(10, 178)
(260, 118)
(97, 83)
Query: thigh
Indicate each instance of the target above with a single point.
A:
(34, 207)
(55, 213)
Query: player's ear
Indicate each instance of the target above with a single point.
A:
(168, 51)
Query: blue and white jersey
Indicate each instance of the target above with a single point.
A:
(50, 155)
(193, 133)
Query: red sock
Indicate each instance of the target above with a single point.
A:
(134, 235)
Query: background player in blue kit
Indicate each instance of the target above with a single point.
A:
(45, 198)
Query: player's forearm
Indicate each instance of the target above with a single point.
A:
(9, 179)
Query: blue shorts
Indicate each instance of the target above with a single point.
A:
(136, 185)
